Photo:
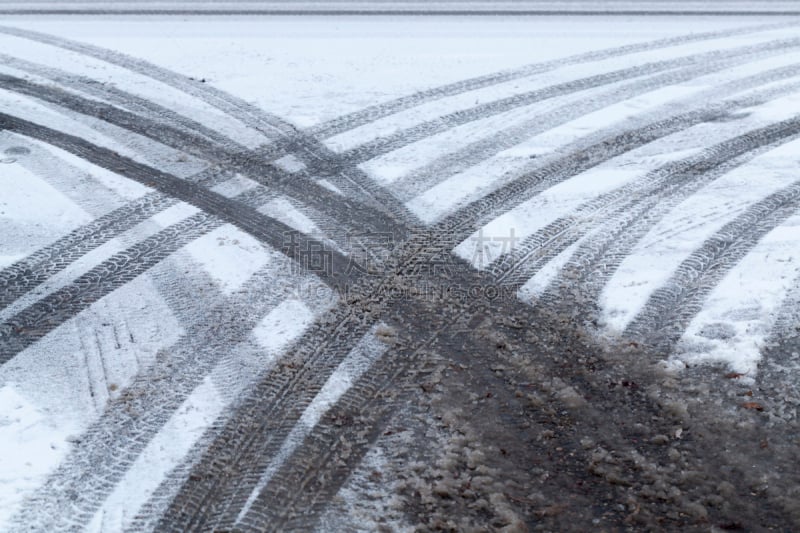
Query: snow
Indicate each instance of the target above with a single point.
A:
(283, 324)
(349, 370)
(229, 255)
(161, 454)
(26, 229)
(740, 313)
(31, 444)
(677, 235)
(312, 69)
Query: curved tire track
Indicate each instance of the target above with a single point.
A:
(401, 138)
(373, 113)
(669, 310)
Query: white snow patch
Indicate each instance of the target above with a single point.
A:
(25, 228)
(124, 187)
(31, 445)
(676, 236)
(290, 163)
(283, 324)
(235, 186)
(741, 310)
(229, 255)
(282, 209)
(174, 214)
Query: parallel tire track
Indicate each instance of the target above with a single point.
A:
(112, 443)
(37, 268)
(669, 309)
(595, 262)
(399, 139)
(39, 319)
(648, 197)
(453, 163)
(308, 192)
(373, 113)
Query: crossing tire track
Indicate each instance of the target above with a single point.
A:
(307, 191)
(112, 443)
(271, 126)
(238, 449)
(265, 229)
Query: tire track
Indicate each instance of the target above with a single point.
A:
(265, 229)
(650, 195)
(207, 483)
(113, 442)
(669, 309)
(39, 319)
(401, 138)
(270, 125)
(311, 147)
(116, 96)
(580, 156)
(372, 113)
(451, 164)
(27, 274)
(577, 158)
(215, 487)
(307, 191)
(596, 261)
(79, 186)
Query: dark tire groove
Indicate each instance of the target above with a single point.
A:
(25, 275)
(265, 229)
(669, 309)
(649, 197)
(39, 319)
(453, 163)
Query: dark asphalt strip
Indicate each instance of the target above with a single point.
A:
(398, 12)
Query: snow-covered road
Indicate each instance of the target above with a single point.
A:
(204, 223)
